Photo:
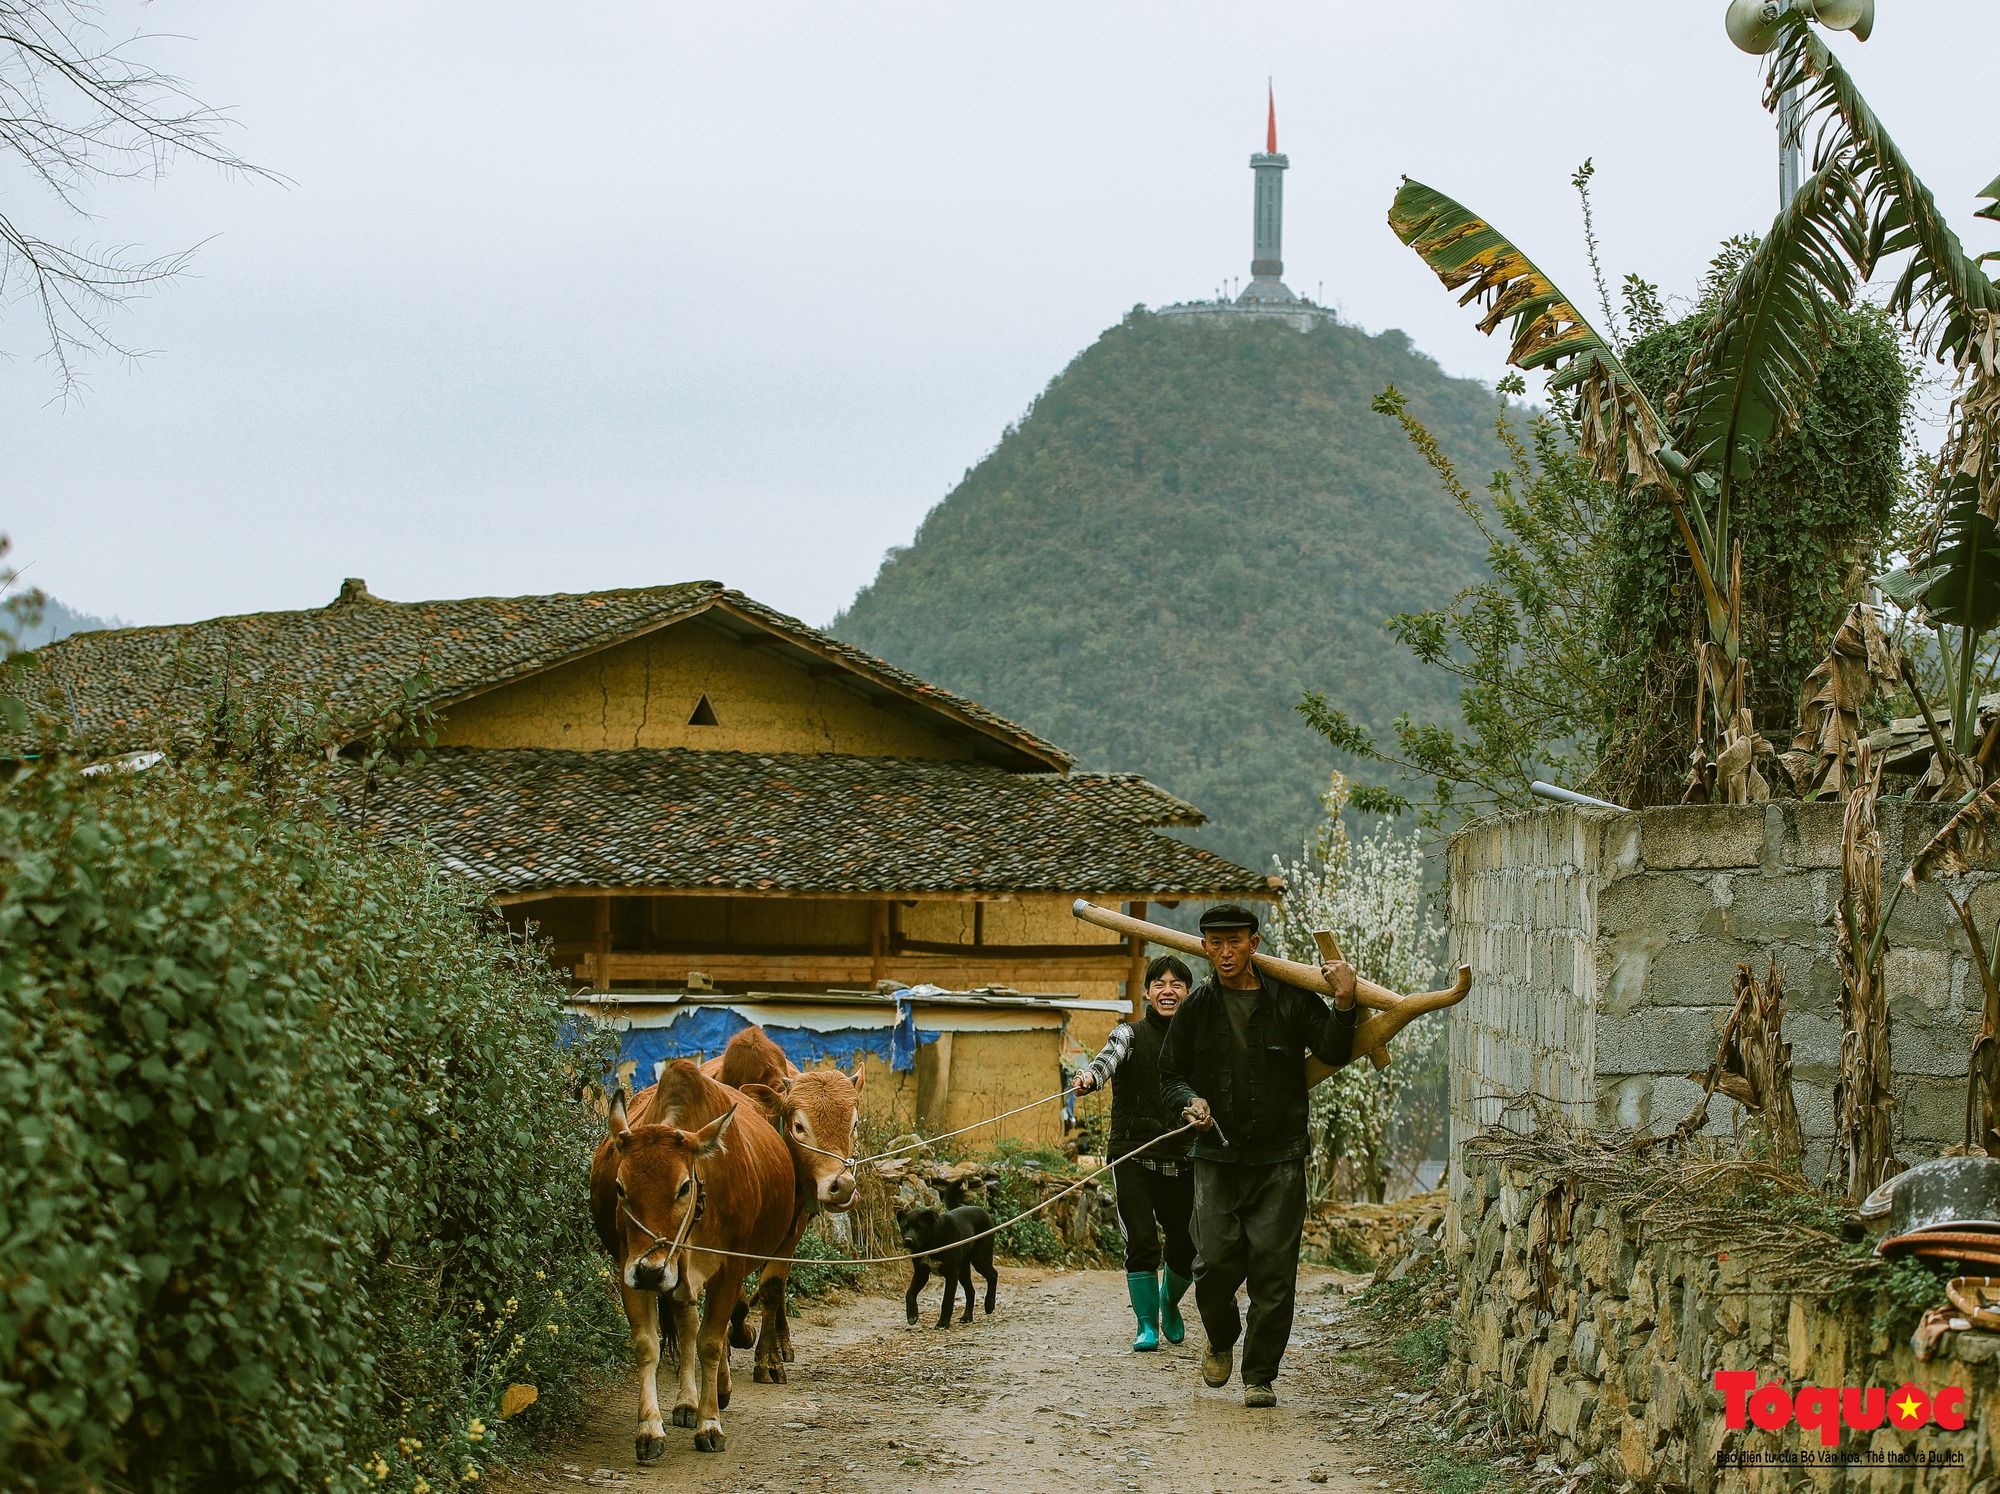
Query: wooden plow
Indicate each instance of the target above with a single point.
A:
(1392, 1012)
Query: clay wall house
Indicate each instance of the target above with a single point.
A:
(682, 789)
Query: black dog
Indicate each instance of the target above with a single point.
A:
(944, 1242)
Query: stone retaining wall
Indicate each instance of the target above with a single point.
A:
(1603, 948)
(1604, 1349)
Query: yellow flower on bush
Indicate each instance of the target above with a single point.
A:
(421, 1486)
(381, 1471)
(477, 1430)
(541, 1276)
(471, 1474)
(555, 1327)
(513, 1304)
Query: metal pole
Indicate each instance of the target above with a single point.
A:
(1557, 794)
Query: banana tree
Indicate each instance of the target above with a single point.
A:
(1955, 589)
(1762, 344)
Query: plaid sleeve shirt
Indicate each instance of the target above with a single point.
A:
(1112, 1054)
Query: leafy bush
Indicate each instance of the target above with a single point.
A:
(291, 1164)
(821, 1281)
(1031, 1240)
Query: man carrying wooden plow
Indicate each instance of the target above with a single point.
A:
(1234, 1063)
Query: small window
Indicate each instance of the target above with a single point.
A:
(704, 713)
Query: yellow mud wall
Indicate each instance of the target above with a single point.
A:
(991, 1072)
(642, 693)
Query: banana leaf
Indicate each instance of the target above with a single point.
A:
(1764, 343)
(1961, 584)
(1619, 431)
(1942, 288)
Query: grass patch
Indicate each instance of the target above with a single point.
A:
(1425, 1348)
(1343, 1255)
(1403, 1300)
(1446, 1470)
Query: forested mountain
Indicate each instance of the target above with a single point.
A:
(1198, 520)
(57, 621)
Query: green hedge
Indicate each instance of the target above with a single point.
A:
(291, 1170)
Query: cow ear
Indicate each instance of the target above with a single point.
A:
(708, 1139)
(621, 1126)
(764, 1098)
(860, 1073)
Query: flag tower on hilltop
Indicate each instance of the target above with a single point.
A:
(1267, 294)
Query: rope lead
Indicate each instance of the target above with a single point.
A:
(890, 1260)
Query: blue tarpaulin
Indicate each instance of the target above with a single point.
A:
(704, 1031)
(903, 1040)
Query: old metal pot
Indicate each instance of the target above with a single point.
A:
(1952, 1193)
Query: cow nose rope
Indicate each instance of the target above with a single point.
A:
(680, 1236)
(890, 1260)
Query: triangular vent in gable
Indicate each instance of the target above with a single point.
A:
(704, 714)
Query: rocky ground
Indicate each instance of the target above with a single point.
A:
(1046, 1396)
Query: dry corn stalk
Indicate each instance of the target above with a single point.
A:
(1861, 1098)
(1860, 663)
(1753, 1067)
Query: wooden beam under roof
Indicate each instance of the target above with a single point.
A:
(959, 974)
(1268, 895)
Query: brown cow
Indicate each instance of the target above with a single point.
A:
(701, 1172)
(750, 1058)
(818, 1113)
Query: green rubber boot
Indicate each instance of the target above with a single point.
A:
(1172, 1289)
(1144, 1287)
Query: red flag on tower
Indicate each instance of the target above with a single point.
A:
(1271, 127)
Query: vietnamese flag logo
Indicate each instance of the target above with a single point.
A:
(1909, 1408)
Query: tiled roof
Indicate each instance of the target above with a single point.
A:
(532, 820)
(127, 689)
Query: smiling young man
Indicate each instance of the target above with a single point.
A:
(1155, 1188)
(1234, 1063)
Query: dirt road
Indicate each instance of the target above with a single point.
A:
(1045, 1395)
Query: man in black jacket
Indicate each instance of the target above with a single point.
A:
(1234, 1063)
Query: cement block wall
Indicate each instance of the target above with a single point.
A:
(1603, 949)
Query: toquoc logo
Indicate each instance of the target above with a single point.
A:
(1771, 1407)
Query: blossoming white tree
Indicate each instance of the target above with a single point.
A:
(1370, 894)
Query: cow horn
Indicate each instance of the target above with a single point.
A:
(620, 1126)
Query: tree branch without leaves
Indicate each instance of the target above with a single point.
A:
(76, 112)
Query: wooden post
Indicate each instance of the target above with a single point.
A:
(878, 937)
(602, 961)
(1135, 983)
(934, 1084)
(979, 918)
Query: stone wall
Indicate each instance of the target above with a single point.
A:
(1604, 1349)
(1603, 948)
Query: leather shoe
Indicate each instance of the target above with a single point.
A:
(1259, 1395)
(1215, 1367)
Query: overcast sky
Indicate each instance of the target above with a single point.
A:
(566, 297)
